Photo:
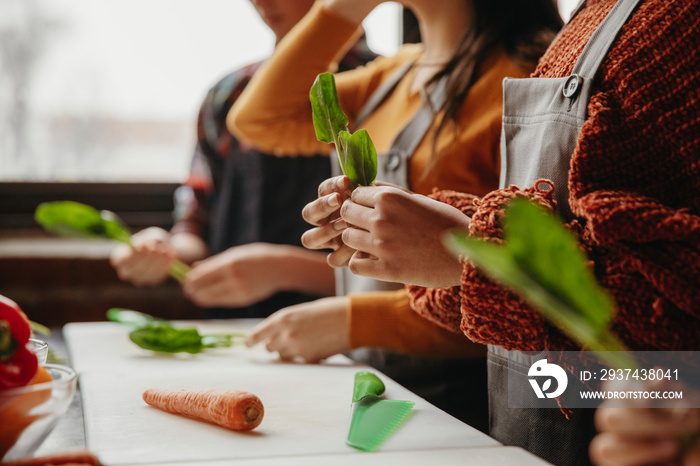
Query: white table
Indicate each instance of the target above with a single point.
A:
(307, 408)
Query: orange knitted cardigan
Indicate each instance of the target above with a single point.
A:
(634, 188)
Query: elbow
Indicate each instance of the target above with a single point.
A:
(247, 130)
(236, 124)
(254, 132)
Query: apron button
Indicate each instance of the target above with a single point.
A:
(393, 162)
(572, 86)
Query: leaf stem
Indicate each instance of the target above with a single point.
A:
(178, 270)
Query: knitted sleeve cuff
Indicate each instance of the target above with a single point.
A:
(441, 305)
(491, 314)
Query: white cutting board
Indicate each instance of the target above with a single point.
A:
(94, 345)
(307, 407)
(483, 456)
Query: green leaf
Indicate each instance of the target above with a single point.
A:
(356, 152)
(68, 218)
(167, 339)
(160, 335)
(540, 260)
(361, 158)
(134, 319)
(550, 253)
(328, 117)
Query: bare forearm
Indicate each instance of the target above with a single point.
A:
(273, 111)
(353, 11)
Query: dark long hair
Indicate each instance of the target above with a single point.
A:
(523, 28)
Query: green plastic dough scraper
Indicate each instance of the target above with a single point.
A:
(373, 418)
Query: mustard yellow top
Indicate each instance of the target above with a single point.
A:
(274, 114)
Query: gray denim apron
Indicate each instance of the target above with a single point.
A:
(443, 382)
(542, 118)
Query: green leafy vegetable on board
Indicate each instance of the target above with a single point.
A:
(356, 152)
(160, 335)
(541, 261)
(73, 219)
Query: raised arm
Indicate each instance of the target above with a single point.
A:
(274, 112)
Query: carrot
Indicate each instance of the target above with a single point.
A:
(233, 409)
(72, 457)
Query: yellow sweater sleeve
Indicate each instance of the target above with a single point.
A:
(274, 113)
(385, 319)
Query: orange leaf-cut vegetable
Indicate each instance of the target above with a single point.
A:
(41, 376)
(15, 410)
(233, 409)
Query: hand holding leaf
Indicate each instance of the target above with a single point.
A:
(356, 152)
(541, 261)
(68, 218)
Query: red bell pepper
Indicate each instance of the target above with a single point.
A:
(18, 364)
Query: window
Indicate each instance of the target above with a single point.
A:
(108, 90)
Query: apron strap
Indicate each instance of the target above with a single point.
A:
(381, 93)
(597, 47)
(412, 134)
(393, 165)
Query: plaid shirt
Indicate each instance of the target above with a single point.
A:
(237, 195)
(196, 199)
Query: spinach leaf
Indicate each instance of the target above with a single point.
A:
(541, 261)
(68, 218)
(160, 335)
(360, 157)
(133, 319)
(74, 219)
(329, 119)
(356, 152)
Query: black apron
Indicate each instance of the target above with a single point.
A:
(542, 118)
(455, 385)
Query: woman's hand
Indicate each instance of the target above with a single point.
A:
(324, 214)
(148, 262)
(641, 435)
(246, 274)
(310, 331)
(239, 276)
(398, 236)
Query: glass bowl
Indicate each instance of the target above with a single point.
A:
(40, 348)
(29, 413)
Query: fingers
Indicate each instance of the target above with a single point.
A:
(357, 215)
(274, 334)
(207, 294)
(146, 266)
(324, 236)
(331, 194)
(340, 257)
(609, 449)
(337, 184)
(367, 266)
(260, 332)
(638, 422)
(320, 211)
(329, 237)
